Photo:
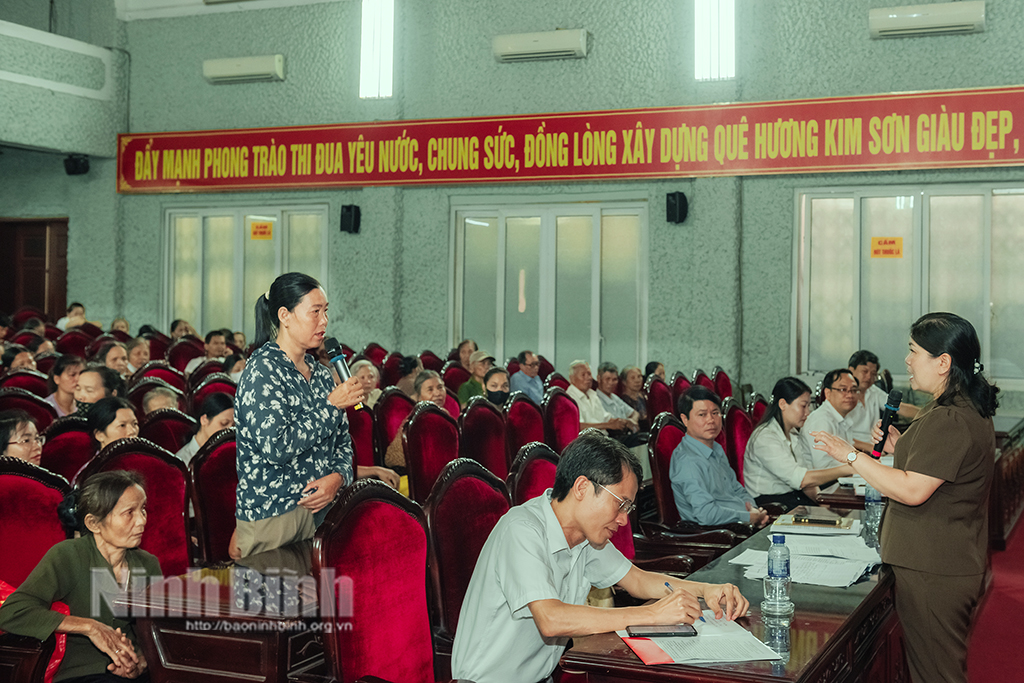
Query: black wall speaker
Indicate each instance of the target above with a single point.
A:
(76, 164)
(350, 219)
(676, 207)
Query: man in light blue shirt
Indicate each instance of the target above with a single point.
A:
(704, 486)
(527, 379)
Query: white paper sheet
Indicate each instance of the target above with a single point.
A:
(717, 640)
(808, 530)
(818, 571)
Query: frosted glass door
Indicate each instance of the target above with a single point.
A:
(887, 281)
(522, 286)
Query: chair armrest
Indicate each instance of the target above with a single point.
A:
(25, 658)
(659, 533)
(669, 564)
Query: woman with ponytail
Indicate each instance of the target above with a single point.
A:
(294, 449)
(934, 531)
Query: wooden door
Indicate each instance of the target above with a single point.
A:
(34, 265)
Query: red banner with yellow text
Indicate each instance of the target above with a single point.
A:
(962, 128)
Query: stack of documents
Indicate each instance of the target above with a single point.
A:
(837, 561)
(717, 640)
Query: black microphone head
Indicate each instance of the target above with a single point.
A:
(333, 348)
(895, 398)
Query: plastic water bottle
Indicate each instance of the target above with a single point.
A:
(873, 506)
(776, 584)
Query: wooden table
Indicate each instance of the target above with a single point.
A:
(837, 635)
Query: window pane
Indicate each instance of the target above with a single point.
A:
(218, 273)
(522, 285)
(831, 264)
(620, 295)
(305, 244)
(956, 263)
(480, 284)
(886, 284)
(260, 265)
(187, 260)
(1007, 351)
(573, 286)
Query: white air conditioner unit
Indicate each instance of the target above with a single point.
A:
(944, 18)
(535, 47)
(244, 69)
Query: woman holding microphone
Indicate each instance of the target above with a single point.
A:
(934, 531)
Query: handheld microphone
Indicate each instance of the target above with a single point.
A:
(892, 405)
(333, 349)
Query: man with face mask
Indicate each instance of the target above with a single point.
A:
(496, 386)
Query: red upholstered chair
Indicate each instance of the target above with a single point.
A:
(375, 353)
(205, 369)
(700, 377)
(214, 479)
(659, 397)
(546, 368)
(69, 445)
(25, 313)
(161, 370)
(561, 419)
(360, 428)
(94, 346)
(168, 428)
(453, 354)
(145, 385)
(74, 341)
(679, 383)
(120, 335)
(30, 380)
(24, 338)
(168, 488)
(181, 352)
(482, 435)
(757, 406)
(217, 383)
(512, 366)
(347, 351)
(52, 332)
(92, 330)
(555, 379)
(377, 539)
(454, 375)
(737, 428)
(723, 384)
(158, 345)
(45, 361)
(430, 439)
(451, 403)
(532, 472)
(389, 412)
(389, 372)
(19, 399)
(462, 509)
(29, 525)
(431, 361)
(524, 423)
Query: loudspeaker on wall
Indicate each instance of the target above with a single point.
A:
(76, 164)
(350, 219)
(676, 207)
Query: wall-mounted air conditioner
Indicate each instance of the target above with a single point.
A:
(244, 69)
(534, 47)
(944, 18)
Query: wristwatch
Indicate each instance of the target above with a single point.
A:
(851, 456)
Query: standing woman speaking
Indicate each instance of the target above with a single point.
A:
(935, 527)
(294, 449)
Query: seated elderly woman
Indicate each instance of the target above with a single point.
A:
(109, 511)
(20, 437)
(179, 328)
(632, 382)
(466, 349)
(233, 365)
(114, 355)
(218, 412)
(369, 378)
(409, 367)
(776, 463)
(138, 353)
(428, 387)
(17, 357)
(111, 419)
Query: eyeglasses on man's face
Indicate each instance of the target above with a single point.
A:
(28, 440)
(846, 390)
(625, 504)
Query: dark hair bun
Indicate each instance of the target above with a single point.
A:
(67, 511)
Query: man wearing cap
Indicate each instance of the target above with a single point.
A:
(479, 363)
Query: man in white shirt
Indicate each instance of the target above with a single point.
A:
(841, 396)
(864, 366)
(216, 346)
(592, 411)
(529, 588)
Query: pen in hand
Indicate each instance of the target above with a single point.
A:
(670, 590)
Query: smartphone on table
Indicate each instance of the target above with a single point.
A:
(671, 630)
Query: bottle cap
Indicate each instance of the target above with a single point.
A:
(779, 538)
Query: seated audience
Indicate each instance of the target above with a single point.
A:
(480, 362)
(871, 400)
(119, 324)
(704, 486)
(527, 596)
(215, 347)
(148, 329)
(114, 355)
(218, 412)
(112, 419)
(238, 339)
(496, 386)
(138, 354)
(35, 326)
(654, 368)
(62, 382)
(74, 318)
(17, 357)
(20, 438)
(180, 328)
(88, 573)
(831, 416)
(369, 378)
(772, 469)
(632, 382)
(528, 380)
(39, 346)
(158, 399)
(5, 327)
(233, 366)
(96, 382)
(408, 368)
(592, 412)
(467, 347)
(607, 381)
(429, 387)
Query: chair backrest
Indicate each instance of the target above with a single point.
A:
(524, 423)
(94, 346)
(360, 428)
(482, 435)
(723, 384)
(666, 433)
(738, 428)
(347, 351)
(555, 379)
(389, 412)
(52, 332)
(205, 369)
(389, 372)
(512, 366)
(30, 380)
(137, 394)
(375, 353)
(26, 313)
(69, 445)
(120, 335)
(431, 361)
(700, 377)
(18, 399)
(377, 539)
(74, 341)
(214, 480)
(45, 361)
(217, 383)
(561, 419)
(168, 428)
(181, 352)
(659, 397)
(757, 406)
(92, 330)
(546, 368)
(158, 345)
(532, 472)
(430, 440)
(168, 489)
(451, 403)
(161, 370)
(462, 509)
(29, 525)
(454, 375)
(24, 338)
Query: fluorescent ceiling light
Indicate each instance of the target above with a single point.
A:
(714, 40)
(377, 48)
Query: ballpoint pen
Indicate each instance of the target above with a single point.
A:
(670, 590)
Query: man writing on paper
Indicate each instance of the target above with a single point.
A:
(527, 594)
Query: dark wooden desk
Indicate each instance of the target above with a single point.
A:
(847, 635)
(843, 497)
